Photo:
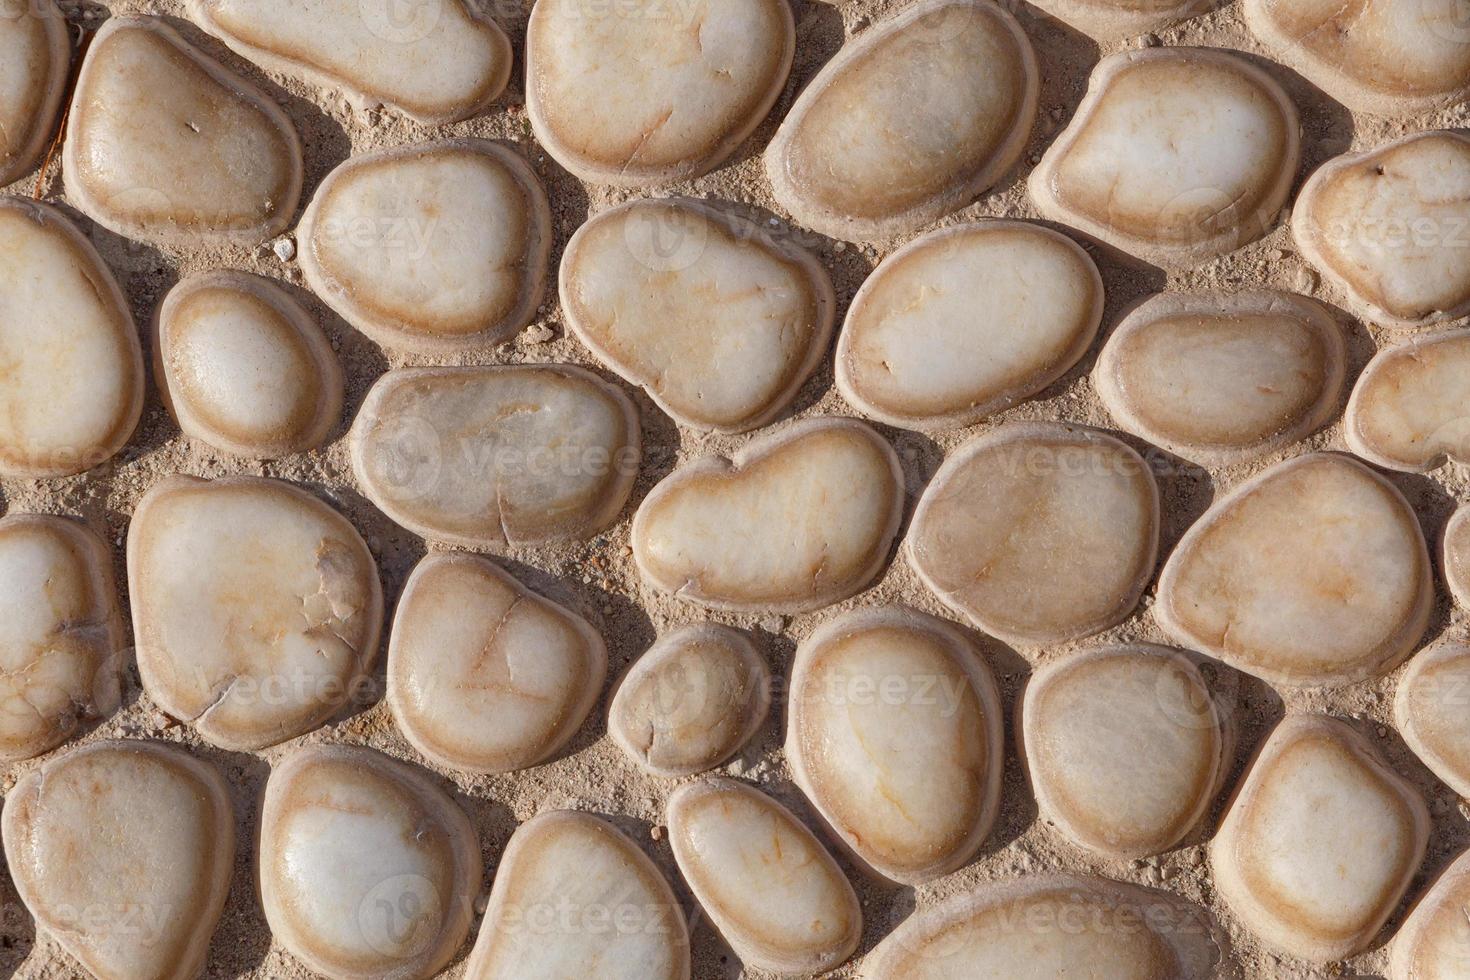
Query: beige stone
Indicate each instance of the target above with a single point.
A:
(1430, 708)
(1410, 410)
(719, 322)
(1456, 555)
(1111, 20)
(1434, 943)
(35, 55)
(967, 321)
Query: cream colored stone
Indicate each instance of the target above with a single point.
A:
(1111, 20)
(497, 457)
(1434, 943)
(1410, 410)
(35, 55)
(1456, 555)
(894, 732)
(617, 918)
(123, 852)
(967, 321)
(1125, 747)
(1320, 842)
(1431, 708)
(434, 248)
(676, 87)
(367, 868)
(256, 607)
(1219, 378)
(69, 353)
(166, 145)
(1175, 156)
(484, 675)
(1038, 532)
(436, 61)
(691, 701)
(1313, 574)
(764, 880)
(796, 520)
(911, 120)
(243, 367)
(719, 322)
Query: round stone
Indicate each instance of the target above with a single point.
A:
(955, 327)
(497, 457)
(256, 607)
(1175, 156)
(616, 909)
(1321, 841)
(762, 877)
(910, 121)
(1219, 378)
(796, 520)
(484, 675)
(719, 322)
(895, 734)
(1430, 709)
(367, 868)
(244, 368)
(123, 852)
(1434, 943)
(166, 145)
(1313, 574)
(1039, 533)
(1410, 410)
(692, 701)
(1456, 555)
(1112, 20)
(35, 55)
(434, 248)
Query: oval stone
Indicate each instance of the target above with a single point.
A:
(796, 520)
(35, 55)
(1410, 410)
(1430, 709)
(434, 248)
(1175, 156)
(1434, 943)
(1125, 747)
(256, 607)
(73, 390)
(436, 61)
(1321, 841)
(1112, 20)
(719, 322)
(1313, 574)
(953, 327)
(692, 701)
(367, 868)
(244, 368)
(894, 733)
(497, 457)
(677, 88)
(123, 852)
(1219, 378)
(166, 145)
(763, 878)
(910, 121)
(1456, 548)
(1039, 533)
(615, 909)
(484, 675)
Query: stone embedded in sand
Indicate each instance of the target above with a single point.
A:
(1038, 532)
(242, 367)
(436, 61)
(1431, 706)
(692, 701)
(1313, 574)
(366, 867)
(1456, 548)
(621, 918)
(1410, 410)
(434, 248)
(1110, 20)
(497, 457)
(762, 877)
(69, 352)
(35, 53)
(484, 675)
(1222, 377)
(912, 120)
(256, 607)
(719, 322)
(1320, 842)
(796, 520)
(967, 321)
(166, 145)
(1390, 228)
(123, 851)
(895, 735)
(1125, 748)
(1175, 156)
(1434, 942)
(677, 87)
(1051, 926)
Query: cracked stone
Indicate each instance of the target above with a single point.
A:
(1432, 943)
(1410, 410)
(35, 55)
(1430, 711)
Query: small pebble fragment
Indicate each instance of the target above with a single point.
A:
(1457, 555)
(1434, 942)
(35, 55)
(1410, 410)
(1112, 20)
(1430, 708)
